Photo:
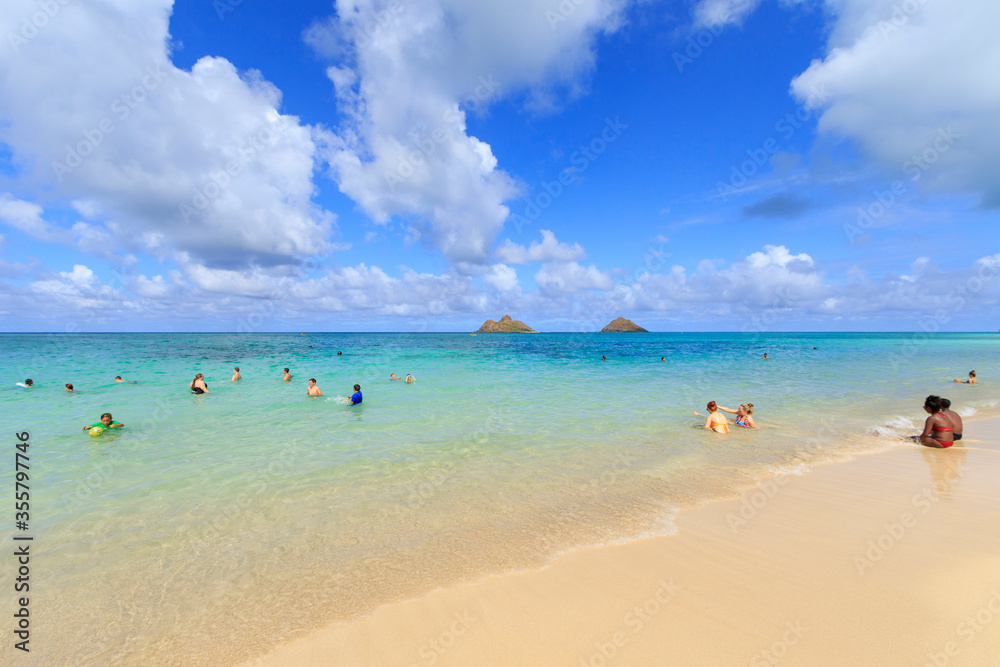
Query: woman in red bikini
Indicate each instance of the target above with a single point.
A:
(937, 429)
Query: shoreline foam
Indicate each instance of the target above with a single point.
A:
(864, 562)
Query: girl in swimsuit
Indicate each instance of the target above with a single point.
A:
(198, 385)
(716, 421)
(954, 417)
(744, 416)
(937, 429)
(971, 380)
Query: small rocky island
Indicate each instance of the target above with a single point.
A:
(505, 325)
(621, 325)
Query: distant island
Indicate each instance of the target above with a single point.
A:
(621, 325)
(505, 325)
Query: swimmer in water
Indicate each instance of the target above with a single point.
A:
(971, 380)
(954, 417)
(236, 375)
(663, 358)
(69, 387)
(288, 376)
(118, 378)
(765, 356)
(744, 416)
(938, 431)
(604, 358)
(26, 384)
(716, 421)
(355, 398)
(393, 376)
(313, 389)
(198, 385)
(410, 379)
(105, 423)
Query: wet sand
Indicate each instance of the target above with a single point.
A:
(888, 559)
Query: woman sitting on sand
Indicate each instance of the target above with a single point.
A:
(716, 421)
(938, 431)
(954, 417)
(971, 380)
(198, 385)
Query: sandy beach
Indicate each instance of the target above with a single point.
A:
(887, 559)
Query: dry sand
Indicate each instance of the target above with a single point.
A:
(888, 559)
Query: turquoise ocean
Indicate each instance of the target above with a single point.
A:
(213, 527)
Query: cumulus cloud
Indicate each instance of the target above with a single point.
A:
(549, 249)
(915, 85)
(408, 76)
(159, 158)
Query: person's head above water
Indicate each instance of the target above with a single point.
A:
(106, 418)
(339, 353)
(286, 370)
(69, 387)
(312, 381)
(236, 368)
(29, 382)
(746, 408)
(933, 404)
(711, 406)
(972, 374)
(118, 378)
(357, 387)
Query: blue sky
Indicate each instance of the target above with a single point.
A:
(424, 165)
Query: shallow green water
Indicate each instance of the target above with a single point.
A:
(214, 526)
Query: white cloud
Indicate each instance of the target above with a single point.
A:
(549, 249)
(915, 85)
(411, 72)
(27, 217)
(568, 278)
(717, 13)
(95, 108)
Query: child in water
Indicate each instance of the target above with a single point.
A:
(105, 423)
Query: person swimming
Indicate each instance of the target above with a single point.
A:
(938, 431)
(604, 357)
(355, 398)
(236, 374)
(765, 356)
(715, 421)
(393, 376)
(69, 387)
(288, 376)
(663, 358)
(410, 378)
(954, 417)
(118, 378)
(313, 390)
(198, 385)
(26, 384)
(971, 380)
(105, 423)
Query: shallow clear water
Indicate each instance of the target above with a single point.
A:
(214, 526)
